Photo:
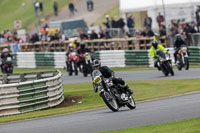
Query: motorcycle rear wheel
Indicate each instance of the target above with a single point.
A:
(110, 101)
(179, 66)
(131, 103)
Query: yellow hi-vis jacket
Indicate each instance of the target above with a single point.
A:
(153, 53)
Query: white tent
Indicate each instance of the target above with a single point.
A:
(174, 8)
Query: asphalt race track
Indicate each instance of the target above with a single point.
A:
(147, 112)
(138, 75)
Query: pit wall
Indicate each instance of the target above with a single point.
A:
(111, 58)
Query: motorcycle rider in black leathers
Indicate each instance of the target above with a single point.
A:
(81, 51)
(5, 54)
(108, 73)
(177, 45)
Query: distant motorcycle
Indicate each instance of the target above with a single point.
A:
(113, 95)
(87, 64)
(7, 66)
(72, 63)
(165, 63)
(182, 58)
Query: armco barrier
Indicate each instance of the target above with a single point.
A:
(20, 97)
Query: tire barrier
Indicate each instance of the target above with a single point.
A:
(194, 55)
(137, 57)
(111, 58)
(20, 93)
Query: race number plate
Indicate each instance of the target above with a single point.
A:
(97, 80)
(9, 59)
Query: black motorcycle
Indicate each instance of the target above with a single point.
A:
(7, 66)
(182, 58)
(87, 64)
(113, 95)
(165, 63)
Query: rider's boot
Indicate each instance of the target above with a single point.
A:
(128, 89)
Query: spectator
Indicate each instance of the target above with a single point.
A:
(2, 39)
(34, 38)
(174, 30)
(72, 9)
(107, 34)
(162, 32)
(121, 25)
(114, 23)
(90, 5)
(41, 6)
(55, 8)
(149, 32)
(93, 35)
(187, 31)
(82, 35)
(160, 18)
(101, 35)
(198, 15)
(130, 25)
(62, 37)
(196, 28)
(147, 21)
(107, 23)
(36, 6)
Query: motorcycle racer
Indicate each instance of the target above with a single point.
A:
(108, 73)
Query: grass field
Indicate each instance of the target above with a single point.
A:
(12, 10)
(112, 13)
(143, 90)
(186, 126)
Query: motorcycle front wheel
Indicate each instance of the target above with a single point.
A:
(186, 63)
(85, 71)
(170, 69)
(131, 103)
(164, 71)
(110, 101)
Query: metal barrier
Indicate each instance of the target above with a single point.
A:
(20, 93)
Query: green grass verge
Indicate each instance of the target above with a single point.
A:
(112, 13)
(143, 90)
(186, 126)
(12, 10)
